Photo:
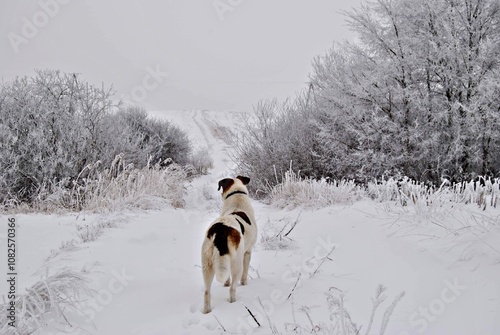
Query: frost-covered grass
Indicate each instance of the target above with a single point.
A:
(483, 192)
(123, 186)
(91, 232)
(113, 189)
(296, 191)
(456, 208)
(57, 294)
(463, 216)
(66, 246)
(275, 233)
(341, 322)
(467, 230)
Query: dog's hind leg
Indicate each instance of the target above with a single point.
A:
(207, 267)
(246, 264)
(236, 268)
(208, 277)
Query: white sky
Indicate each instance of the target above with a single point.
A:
(261, 48)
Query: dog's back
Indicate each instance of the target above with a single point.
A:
(236, 200)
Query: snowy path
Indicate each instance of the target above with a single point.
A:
(148, 278)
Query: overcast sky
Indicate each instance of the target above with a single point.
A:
(185, 54)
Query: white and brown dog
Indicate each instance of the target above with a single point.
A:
(228, 243)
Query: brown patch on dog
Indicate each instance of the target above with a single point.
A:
(225, 183)
(223, 235)
(244, 180)
(234, 238)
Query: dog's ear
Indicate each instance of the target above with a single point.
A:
(225, 184)
(244, 180)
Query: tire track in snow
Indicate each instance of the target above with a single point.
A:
(216, 136)
(203, 129)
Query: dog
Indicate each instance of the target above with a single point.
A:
(228, 243)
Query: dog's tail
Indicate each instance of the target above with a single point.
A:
(222, 266)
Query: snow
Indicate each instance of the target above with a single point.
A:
(37, 235)
(147, 277)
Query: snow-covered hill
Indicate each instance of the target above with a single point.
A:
(147, 278)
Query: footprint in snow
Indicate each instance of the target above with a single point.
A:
(145, 239)
(193, 320)
(193, 308)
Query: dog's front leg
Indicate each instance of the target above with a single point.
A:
(246, 264)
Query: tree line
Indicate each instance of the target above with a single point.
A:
(417, 94)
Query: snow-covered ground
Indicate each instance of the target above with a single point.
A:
(147, 278)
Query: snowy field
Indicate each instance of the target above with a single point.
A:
(441, 276)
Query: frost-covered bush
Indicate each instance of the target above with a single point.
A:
(49, 125)
(142, 139)
(275, 135)
(54, 125)
(201, 161)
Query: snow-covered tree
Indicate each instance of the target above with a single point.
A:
(415, 93)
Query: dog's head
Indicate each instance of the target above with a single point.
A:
(232, 186)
